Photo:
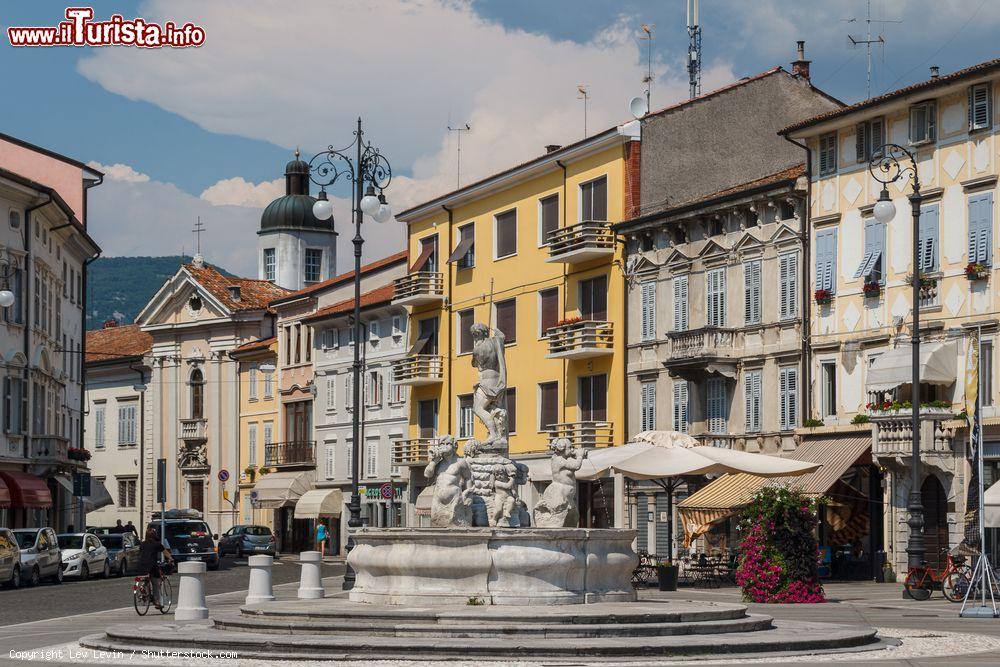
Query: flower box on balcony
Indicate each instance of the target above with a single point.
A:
(871, 290)
(78, 454)
(977, 271)
(823, 297)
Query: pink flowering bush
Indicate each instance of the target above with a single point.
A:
(779, 556)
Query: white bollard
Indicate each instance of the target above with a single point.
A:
(311, 582)
(260, 589)
(191, 598)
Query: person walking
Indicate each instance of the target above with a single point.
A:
(130, 528)
(321, 537)
(118, 528)
(149, 561)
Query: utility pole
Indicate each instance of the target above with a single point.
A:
(583, 94)
(647, 29)
(460, 129)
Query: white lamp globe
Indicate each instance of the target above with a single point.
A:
(384, 212)
(323, 209)
(370, 203)
(6, 298)
(884, 210)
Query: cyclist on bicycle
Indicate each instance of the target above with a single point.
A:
(149, 561)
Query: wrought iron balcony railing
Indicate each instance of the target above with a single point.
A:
(295, 452)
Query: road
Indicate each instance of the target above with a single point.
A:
(74, 597)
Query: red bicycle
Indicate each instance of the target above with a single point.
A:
(922, 581)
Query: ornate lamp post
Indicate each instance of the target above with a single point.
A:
(368, 172)
(886, 167)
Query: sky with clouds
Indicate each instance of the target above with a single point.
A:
(205, 132)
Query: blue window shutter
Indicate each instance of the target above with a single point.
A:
(831, 262)
(981, 228)
(826, 259)
(929, 225)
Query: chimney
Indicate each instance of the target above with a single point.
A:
(110, 324)
(552, 148)
(234, 292)
(800, 66)
(935, 71)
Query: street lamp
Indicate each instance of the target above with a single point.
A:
(886, 167)
(7, 297)
(369, 172)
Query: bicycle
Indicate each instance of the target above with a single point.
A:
(921, 582)
(142, 594)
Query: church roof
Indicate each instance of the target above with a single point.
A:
(253, 294)
(117, 342)
(293, 210)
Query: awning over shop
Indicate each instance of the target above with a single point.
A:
(281, 489)
(894, 368)
(539, 470)
(423, 504)
(27, 490)
(4, 494)
(317, 503)
(991, 506)
(723, 497)
(99, 495)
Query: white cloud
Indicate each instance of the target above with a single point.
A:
(237, 191)
(119, 172)
(407, 67)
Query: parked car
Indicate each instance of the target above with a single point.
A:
(246, 540)
(123, 551)
(41, 557)
(187, 537)
(10, 559)
(83, 556)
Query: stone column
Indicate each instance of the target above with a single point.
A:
(191, 598)
(259, 589)
(311, 581)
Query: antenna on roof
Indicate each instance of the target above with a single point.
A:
(583, 94)
(868, 40)
(460, 129)
(694, 48)
(647, 29)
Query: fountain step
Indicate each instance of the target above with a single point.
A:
(480, 629)
(787, 636)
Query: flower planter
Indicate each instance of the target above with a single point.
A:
(823, 297)
(872, 290)
(976, 271)
(667, 575)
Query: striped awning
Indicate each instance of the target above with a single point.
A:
(725, 496)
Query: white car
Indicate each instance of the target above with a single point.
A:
(83, 556)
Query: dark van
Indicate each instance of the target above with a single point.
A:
(187, 537)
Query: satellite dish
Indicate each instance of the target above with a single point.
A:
(638, 107)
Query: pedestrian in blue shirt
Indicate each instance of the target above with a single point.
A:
(321, 537)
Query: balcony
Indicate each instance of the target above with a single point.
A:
(588, 434)
(893, 433)
(413, 452)
(193, 430)
(580, 340)
(50, 449)
(584, 242)
(296, 452)
(418, 289)
(721, 440)
(930, 295)
(418, 369)
(710, 350)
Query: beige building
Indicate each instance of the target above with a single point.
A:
(860, 334)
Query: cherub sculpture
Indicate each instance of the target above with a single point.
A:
(558, 508)
(452, 501)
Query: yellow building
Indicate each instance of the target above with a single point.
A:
(258, 421)
(530, 252)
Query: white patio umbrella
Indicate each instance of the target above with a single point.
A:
(662, 456)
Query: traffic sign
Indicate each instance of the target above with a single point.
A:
(253, 495)
(81, 484)
(223, 475)
(387, 491)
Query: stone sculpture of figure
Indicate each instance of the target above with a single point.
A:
(488, 399)
(557, 508)
(452, 501)
(502, 506)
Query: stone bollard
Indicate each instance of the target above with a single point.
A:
(191, 598)
(259, 589)
(311, 583)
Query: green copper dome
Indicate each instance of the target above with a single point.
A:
(294, 209)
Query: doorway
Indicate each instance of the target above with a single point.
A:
(935, 503)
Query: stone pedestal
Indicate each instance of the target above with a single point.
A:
(260, 588)
(311, 581)
(191, 596)
(499, 566)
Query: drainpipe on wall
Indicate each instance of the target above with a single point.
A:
(806, 301)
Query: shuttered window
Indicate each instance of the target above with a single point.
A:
(252, 444)
(929, 230)
(507, 319)
(126, 424)
(751, 292)
(752, 395)
(826, 260)
(548, 306)
(594, 298)
(465, 416)
(506, 234)
(594, 202)
(349, 390)
(980, 107)
(371, 457)
(981, 228)
(252, 381)
(715, 290)
(647, 407)
(331, 460)
(511, 400)
(648, 290)
(788, 285)
(788, 389)
(716, 405)
(99, 415)
(828, 154)
(681, 406)
(680, 303)
(549, 214)
(548, 405)
(870, 137)
(923, 122)
(873, 260)
(465, 321)
(593, 400)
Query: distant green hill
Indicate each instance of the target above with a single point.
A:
(119, 287)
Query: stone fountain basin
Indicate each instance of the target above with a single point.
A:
(493, 566)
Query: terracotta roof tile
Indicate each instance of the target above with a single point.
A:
(401, 256)
(922, 86)
(117, 343)
(254, 294)
(255, 345)
(376, 297)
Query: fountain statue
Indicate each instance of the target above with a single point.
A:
(558, 506)
(451, 504)
(489, 398)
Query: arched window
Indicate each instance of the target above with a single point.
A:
(197, 383)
